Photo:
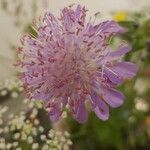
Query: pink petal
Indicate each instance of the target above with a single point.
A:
(123, 49)
(125, 69)
(81, 114)
(113, 97)
(100, 107)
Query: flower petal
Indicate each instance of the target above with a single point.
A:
(54, 116)
(113, 97)
(123, 49)
(125, 69)
(113, 77)
(81, 114)
(111, 27)
(55, 112)
(100, 107)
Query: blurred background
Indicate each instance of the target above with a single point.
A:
(24, 125)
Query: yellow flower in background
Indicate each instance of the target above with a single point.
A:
(119, 16)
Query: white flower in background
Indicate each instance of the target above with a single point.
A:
(141, 105)
(27, 128)
(35, 146)
(11, 86)
(141, 85)
(3, 93)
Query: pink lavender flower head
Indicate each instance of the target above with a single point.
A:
(70, 63)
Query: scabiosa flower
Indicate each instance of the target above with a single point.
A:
(70, 62)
